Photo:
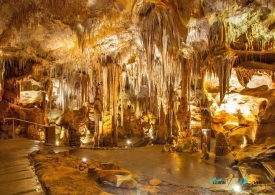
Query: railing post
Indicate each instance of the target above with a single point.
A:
(13, 129)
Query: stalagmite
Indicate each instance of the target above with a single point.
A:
(122, 91)
(84, 88)
(137, 110)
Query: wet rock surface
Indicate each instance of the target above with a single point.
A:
(62, 172)
(59, 174)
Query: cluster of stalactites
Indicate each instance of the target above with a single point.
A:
(27, 13)
(244, 75)
(220, 66)
(81, 82)
(32, 13)
(158, 31)
(249, 62)
(72, 85)
(12, 65)
(245, 32)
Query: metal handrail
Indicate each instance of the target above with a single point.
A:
(13, 119)
(37, 124)
(25, 121)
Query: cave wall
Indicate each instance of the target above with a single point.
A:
(110, 64)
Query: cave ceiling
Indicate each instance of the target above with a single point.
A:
(151, 32)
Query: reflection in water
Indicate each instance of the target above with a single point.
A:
(177, 168)
(177, 162)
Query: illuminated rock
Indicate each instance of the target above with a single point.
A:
(121, 66)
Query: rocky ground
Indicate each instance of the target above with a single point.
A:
(62, 174)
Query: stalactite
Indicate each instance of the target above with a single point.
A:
(157, 29)
(244, 75)
(221, 66)
(2, 71)
(183, 113)
(149, 87)
(149, 53)
(99, 71)
(91, 76)
(116, 73)
(50, 91)
(63, 94)
(137, 84)
(203, 90)
(164, 57)
(161, 115)
(78, 86)
(122, 93)
(222, 36)
(195, 72)
(110, 83)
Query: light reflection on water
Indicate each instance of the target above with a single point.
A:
(177, 168)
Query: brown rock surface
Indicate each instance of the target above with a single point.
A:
(113, 69)
(58, 174)
(129, 184)
(155, 182)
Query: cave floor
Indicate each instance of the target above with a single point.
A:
(176, 168)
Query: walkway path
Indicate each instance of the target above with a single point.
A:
(16, 174)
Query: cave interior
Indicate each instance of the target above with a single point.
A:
(103, 70)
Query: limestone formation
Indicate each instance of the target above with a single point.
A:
(108, 66)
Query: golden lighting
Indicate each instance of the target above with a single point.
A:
(84, 160)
